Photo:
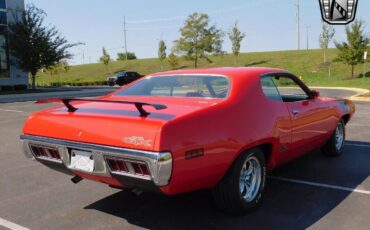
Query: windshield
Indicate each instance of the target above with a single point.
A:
(179, 86)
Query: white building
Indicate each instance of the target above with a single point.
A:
(10, 75)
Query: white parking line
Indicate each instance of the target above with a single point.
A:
(347, 189)
(11, 110)
(358, 145)
(11, 225)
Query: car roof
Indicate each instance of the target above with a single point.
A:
(233, 72)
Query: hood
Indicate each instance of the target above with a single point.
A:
(112, 124)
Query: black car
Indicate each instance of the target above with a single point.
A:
(123, 78)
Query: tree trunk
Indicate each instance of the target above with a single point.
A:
(234, 60)
(196, 61)
(353, 71)
(33, 80)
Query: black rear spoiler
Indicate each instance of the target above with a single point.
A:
(73, 108)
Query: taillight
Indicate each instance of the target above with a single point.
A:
(45, 152)
(118, 165)
(140, 169)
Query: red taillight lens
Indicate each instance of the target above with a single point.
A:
(140, 168)
(144, 169)
(122, 166)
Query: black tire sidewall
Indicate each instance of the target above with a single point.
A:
(241, 205)
(259, 155)
(330, 148)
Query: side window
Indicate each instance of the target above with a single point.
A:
(269, 88)
(289, 90)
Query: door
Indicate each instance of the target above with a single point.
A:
(307, 120)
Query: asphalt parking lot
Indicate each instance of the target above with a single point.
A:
(313, 192)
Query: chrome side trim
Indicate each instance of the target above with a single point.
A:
(160, 164)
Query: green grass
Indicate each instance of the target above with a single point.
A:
(307, 64)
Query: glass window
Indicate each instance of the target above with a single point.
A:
(269, 89)
(179, 86)
(3, 18)
(2, 4)
(4, 55)
(288, 89)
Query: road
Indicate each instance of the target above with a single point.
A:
(79, 92)
(313, 192)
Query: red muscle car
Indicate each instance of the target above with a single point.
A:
(186, 130)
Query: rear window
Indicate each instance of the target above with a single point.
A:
(179, 86)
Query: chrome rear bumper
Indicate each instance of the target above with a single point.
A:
(159, 164)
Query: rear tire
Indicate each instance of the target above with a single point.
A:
(334, 147)
(241, 189)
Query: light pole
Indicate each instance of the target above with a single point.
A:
(364, 73)
(124, 34)
(298, 27)
(307, 28)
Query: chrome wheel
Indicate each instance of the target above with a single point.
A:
(339, 136)
(250, 178)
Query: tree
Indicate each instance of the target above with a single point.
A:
(236, 38)
(131, 56)
(325, 37)
(173, 60)
(105, 59)
(122, 56)
(34, 45)
(198, 39)
(162, 52)
(60, 67)
(351, 52)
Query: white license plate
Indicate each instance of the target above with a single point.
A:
(82, 160)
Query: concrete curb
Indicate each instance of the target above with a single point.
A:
(355, 97)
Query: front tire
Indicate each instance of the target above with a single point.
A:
(334, 147)
(241, 189)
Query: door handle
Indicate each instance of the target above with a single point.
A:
(295, 111)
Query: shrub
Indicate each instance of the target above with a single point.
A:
(20, 87)
(7, 88)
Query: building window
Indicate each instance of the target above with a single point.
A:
(3, 18)
(2, 4)
(4, 53)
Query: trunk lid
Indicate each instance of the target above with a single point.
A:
(112, 124)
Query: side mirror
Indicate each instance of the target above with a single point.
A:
(315, 93)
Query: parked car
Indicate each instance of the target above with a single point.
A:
(187, 130)
(122, 78)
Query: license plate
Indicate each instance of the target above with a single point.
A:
(82, 160)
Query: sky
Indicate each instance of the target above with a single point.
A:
(269, 25)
